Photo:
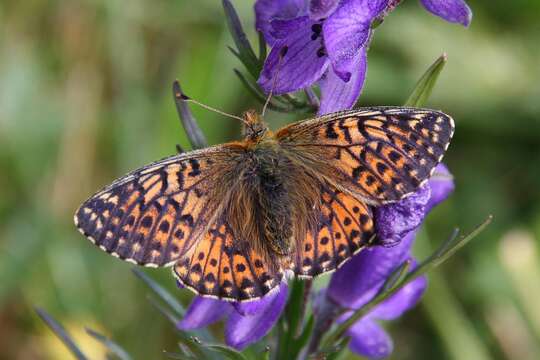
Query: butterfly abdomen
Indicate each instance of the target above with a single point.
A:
(272, 208)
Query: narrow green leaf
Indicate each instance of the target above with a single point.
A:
(459, 243)
(424, 86)
(397, 276)
(197, 348)
(299, 343)
(341, 347)
(254, 90)
(281, 330)
(262, 48)
(447, 244)
(246, 53)
(185, 349)
(333, 351)
(295, 307)
(62, 334)
(292, 319)
(113, 347)
(229, 352)
(173, 319)
(189, 123)
(161, 292)
(178, 356)
(266, 353)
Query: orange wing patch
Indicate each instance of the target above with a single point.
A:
(157, 213)
(345, 226)
(223, 267)
(381, 154)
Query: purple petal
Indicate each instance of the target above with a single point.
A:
(242, 330)
(203, 312)
(395, 220)
(268, 10)
(321, 9)
(356, 282)
(254, 307)
(370, 340)
(403, 300)
(348, 30)
(337, 94)
(302, 58)
(441, 184)
(455, 11)
(281, 29)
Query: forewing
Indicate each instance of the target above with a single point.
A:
(225, 267)
(344, 226)
(379, 154)
(155, 214)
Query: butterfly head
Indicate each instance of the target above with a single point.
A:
(255, 128)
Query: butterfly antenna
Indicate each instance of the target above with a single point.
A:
(282, 53)
(178, 94)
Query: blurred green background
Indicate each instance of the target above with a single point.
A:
(85, 96)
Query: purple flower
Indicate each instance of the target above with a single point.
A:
(326, 42)
(455, 11)
(360, 279)
(246, 323)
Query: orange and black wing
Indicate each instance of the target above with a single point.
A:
(226, 267)
(380, 154)
(156, 214)
(344, 226)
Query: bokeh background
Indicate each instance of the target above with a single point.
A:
(85, 96)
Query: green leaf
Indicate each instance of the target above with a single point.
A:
(193, 348)
(185, 350)
(161, 292)
(62, 334)
(189, 123)
(299, 343)
(292, 319)
(397, 275)
(341, 347)
(245, 53)
(294, 311)
(229, 352)
(173, 319)
(424, 86)
(178, 356)
(266, 354)
(258, 95)
(113, 347)
(332, 352)
(447, 249)
(262, 48)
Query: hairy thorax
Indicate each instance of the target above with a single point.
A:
(272, 201)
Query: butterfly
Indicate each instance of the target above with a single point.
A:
(233, 219)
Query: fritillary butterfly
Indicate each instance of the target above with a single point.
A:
(233, 218)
